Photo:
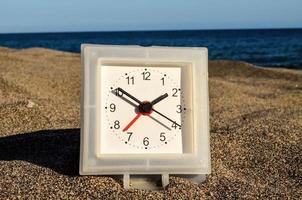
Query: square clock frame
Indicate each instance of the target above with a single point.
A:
(144, 113)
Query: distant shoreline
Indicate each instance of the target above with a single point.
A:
(263, 47)
(168, 30)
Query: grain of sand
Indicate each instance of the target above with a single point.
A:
(255, 117)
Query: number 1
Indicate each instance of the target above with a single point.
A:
(163, 80)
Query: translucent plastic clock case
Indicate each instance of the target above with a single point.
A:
(144, 112)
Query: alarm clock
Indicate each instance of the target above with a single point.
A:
(144, 113)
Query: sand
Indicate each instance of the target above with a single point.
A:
(255, 117)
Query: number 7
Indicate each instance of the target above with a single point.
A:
(130, 134)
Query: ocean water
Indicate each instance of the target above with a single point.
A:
(263, 47)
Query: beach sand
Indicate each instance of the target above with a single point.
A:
(255, 118)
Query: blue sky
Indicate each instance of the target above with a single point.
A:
(98, 15)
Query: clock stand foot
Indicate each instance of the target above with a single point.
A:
(126, 181)
(196, 178)
(147, 182)
(156, 182)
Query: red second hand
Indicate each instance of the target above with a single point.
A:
(132, 121)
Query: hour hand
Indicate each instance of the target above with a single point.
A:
(158, 99)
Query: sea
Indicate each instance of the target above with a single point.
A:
(261, 47)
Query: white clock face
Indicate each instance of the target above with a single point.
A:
(141, 110)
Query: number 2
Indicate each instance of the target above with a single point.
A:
(175, 90)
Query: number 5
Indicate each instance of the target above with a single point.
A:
(162, 137)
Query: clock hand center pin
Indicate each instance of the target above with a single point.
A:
(145, 108)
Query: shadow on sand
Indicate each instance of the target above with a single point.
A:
(55, 149)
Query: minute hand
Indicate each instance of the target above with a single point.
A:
(129, 95)
(174, 122)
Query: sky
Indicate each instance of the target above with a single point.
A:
(120, 15)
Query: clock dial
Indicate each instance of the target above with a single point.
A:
(142, 109)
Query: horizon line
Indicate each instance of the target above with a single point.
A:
(150, 30)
